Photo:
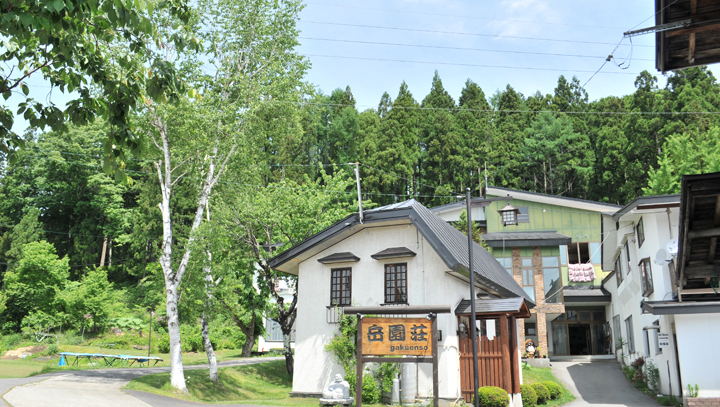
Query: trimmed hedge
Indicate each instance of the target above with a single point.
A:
(542, 392)
(490, 396)
(529, 397)
(554, 389)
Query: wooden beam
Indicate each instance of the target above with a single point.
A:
(436, 363)
(515, 355)
(381, 359)
(359, 370)
(699, 234)
(399, 310)
(505, 345)
(692, 30)
(707, 271)
(691, 41)
(658, 206)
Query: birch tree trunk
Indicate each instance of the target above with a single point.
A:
(173, 277)
(212, 361)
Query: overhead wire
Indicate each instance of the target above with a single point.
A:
(455, 48)
(462, 33)
(470, 17)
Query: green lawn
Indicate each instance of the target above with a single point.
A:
(544, 374)
(260, 384)
(38, 364)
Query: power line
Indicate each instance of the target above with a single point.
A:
(408, 180)
(461, 64)
(463, 33)
(457, 48)
(457, 16)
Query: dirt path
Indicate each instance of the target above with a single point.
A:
(101, 387)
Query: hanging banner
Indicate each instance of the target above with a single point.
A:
(397, 336)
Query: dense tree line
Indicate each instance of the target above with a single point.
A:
(253, 160)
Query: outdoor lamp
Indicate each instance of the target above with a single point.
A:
(509, 214)
(461, 330)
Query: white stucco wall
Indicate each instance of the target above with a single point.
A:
(697, 336)
(478, 213)
(428, 284)
(626, 299)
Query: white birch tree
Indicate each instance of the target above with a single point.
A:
(251, 62)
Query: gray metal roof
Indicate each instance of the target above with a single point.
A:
(645, 200)
(460, 205)
(491, 305)
(393, 252)
(606, 206)
(449, 243)
(675, 307)
(592, 293)
(342, 257)
(522, 239)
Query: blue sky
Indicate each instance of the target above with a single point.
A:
(341, 39)
(576, 28)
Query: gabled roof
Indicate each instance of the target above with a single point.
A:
(449, 243)
(554, 200)
(495, 306)
(460, 205)
(647, 202)
(526, 239)
(343, 257)
(393, 253)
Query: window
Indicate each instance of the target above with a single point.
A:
(273, 331)
(340, 287)
(396, 283)
(618, 269)
(524, 215)
(578, 253)
(507, 263)
(646, 274)
(627, 257)
(551, 278)
(640, 233)
(630, 334)
(646, 336)
(658, 349)
(528, 278)
(616, 328)
(530, 329)
(563, 254)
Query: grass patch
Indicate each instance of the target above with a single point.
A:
(544, 374)
(39, 364)
(261, 384)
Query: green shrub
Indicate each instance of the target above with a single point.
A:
(10, 341)
(543, 395)
(529, 397)
(371, 390)
(554, 389)
(162, 343)
(51, 350)
(629, 372)
(491, 396)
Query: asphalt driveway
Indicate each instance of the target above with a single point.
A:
(101, 387)
(599, 384)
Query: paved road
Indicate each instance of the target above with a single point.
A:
(101, 387)
(599, 384)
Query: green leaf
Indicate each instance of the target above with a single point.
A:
(25, 89)
(59, 5)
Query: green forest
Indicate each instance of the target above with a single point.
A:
(171, 204)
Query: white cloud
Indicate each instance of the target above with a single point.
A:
(521, 17)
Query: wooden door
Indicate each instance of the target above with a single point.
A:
(491, 363)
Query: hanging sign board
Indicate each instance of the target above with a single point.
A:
(397, 336)
(663, 340)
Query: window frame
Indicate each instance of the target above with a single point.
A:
(386, 287)
(646, 276)
(618, 269)
(630, 334)
(575, 247)
(640, 230)
(343, 301)
(618, 332)
(627, 257)
(528, 271)
(523, 217)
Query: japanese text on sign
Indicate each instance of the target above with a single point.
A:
(663, 340)
(396, 336)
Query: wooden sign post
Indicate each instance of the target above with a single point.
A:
(379, 338)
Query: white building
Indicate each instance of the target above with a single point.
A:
(634, 236)
(273, 338)
(399, 254)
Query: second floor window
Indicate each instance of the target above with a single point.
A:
(618, 269)
(640, 233)
(396, 283)
(341, 287)
(646, 274)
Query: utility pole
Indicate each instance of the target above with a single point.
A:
(357, 179)
(473, 336)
